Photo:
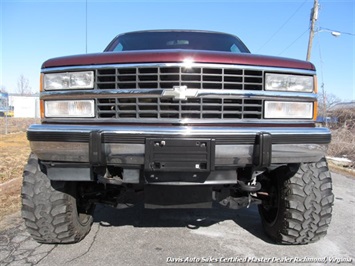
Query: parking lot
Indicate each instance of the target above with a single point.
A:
(205, 237)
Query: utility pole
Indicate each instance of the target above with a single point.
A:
(314, 17)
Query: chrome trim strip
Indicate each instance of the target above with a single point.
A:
(178, 130)
(203, 93)
(246, 122)
(57, 150)
(248, 67)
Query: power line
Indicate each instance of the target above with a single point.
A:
(294, 41)
(347, 33)
(284, 24)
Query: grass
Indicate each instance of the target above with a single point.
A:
(15, 125)
(343, 143)
(14, 151)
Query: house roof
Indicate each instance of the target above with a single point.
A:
(342, 105)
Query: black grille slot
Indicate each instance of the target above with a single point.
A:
(165, 77)
(194, 108)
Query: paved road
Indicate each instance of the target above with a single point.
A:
(142, 237)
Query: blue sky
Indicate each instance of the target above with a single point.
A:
(34, 31)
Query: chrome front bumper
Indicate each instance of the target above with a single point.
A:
(124, 145)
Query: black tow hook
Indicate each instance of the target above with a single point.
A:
(248, 188)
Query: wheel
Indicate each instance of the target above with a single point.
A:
(299, 207)
(50, 209)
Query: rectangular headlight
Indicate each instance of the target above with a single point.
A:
(285, 82)
(79, 108)
(68, 80)
(289, 110)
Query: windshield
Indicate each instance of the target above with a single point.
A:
(157, 40)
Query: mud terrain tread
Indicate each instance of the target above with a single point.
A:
(316, 185)
(49, 208)
(305, 206)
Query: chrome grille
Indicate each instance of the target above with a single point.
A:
(166, 77)
(192, 108)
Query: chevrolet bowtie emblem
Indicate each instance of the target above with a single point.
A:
(180, 93)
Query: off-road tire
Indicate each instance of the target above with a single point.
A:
(49, 208)
(303, 201)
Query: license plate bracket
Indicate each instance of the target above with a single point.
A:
(179, 155)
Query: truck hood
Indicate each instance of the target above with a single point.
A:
(173, 56)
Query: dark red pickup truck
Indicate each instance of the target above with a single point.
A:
(177, 119)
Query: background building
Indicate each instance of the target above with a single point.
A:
(25, 106)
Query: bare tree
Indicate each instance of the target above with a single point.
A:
(325, 102)
(23, 87)
(346, 116)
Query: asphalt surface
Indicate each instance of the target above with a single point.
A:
(202, 237)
